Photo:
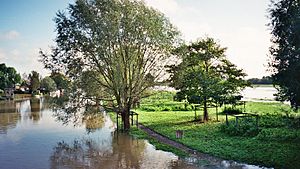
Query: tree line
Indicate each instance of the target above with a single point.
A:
(263, 80)
(33, 83)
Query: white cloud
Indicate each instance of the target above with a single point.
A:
(2, 55)
(248, 48)
(165, 6)
(9, 35)
(23, 62)
(15, 54)
(187, 18)
(247, 44)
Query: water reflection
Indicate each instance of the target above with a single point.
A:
(35, 106)
(93, 121)
(8, 121)
(122, 152)
(8, 107)
(12, 112)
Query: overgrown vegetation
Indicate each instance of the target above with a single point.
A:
(275, 143)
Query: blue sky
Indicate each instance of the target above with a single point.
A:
(27, 25)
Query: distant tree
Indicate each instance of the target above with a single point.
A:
(8, 77)
(122, 43)
(285, 51)
(25, 80)
(61, 81)
(48, 84)
(34, 78)
(263, 80)
(205, 75)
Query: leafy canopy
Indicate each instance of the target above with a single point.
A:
(48, 84)
(205, 75)
(8, 76)
(34, 78)
(122, 44)
(285, 51)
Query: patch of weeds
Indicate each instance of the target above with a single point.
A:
(246, 128)
(279, 134)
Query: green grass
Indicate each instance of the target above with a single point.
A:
(276, 144)
(139, 134)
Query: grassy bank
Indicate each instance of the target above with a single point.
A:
(275, 144)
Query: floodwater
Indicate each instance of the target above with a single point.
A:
(32, 138)
(259, 93)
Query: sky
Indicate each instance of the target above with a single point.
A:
(240, 25)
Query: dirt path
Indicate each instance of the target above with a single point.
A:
(190, 151)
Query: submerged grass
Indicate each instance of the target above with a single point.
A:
(140, 134)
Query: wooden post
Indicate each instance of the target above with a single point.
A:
(257, 121)
(179, 133)
(227, 120)
(236, 121)
(117, 121)
(195, 113)
(217, 113)
(137, 119)
(131, 113)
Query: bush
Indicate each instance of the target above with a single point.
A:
(246, 128)
(272, 121)
(279, 134)
(229, 110)
(275, 121)
(294, 122)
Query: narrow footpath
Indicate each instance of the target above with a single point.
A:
(180, 146)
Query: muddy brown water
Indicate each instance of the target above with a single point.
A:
(31, 138)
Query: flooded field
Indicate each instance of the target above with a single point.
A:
(31, 137)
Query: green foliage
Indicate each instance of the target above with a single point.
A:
(263, 80)
(162, 101)
(205, 74)
(34, 78)
(279, 134)
(61, 81)
(267, 146)
(230, 110)
(285, 61)
(124, 44)
(246, 127)
(48, 84)
(8, 76)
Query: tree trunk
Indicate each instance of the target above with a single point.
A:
(205, 112)
(126, 119)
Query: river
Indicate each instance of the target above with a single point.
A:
(32, 138)
(259, 93)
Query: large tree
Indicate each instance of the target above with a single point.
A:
(285, 51)
(8, 76)
(61, 81)
(48, 84)
(205, 74)
(123, 44)
(34, 78)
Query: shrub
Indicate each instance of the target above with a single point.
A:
(272, 121)
(246, 128)
(229, 110)
(275, 121)
(279, 134)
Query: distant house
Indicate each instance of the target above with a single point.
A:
(17, 86)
